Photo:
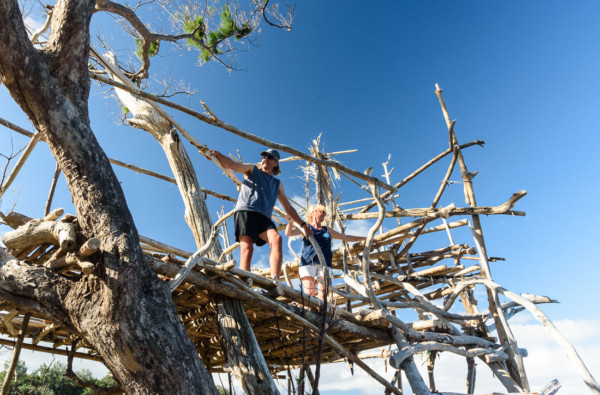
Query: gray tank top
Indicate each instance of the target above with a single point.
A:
(258, 193)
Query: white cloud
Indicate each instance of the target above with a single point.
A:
(359, 228)
(546, 361)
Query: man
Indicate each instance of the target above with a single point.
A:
(254, 208)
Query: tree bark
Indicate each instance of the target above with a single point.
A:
(123, 310)
(244, 356)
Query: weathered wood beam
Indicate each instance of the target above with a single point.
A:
(403, 232)
(16, 128)
(125, 165)
(15, 357)
(420, 170)
(215, 121)
(249, 363)
(515, 362)
(569, 350)
(33, 288)
(20, 162)
(165, 247)
(37, 231)
(154, 174)
(50, 350)
(505, 209)
(488, 354)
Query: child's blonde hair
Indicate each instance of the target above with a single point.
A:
(311, 210)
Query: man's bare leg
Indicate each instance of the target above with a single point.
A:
(246, 250)
(276, 255)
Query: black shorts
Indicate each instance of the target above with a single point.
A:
(251, 223)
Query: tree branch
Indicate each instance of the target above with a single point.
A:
(505, 208)
(34, 288)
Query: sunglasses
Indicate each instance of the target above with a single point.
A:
(268, 157)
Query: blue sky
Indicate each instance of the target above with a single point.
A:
(522, 76)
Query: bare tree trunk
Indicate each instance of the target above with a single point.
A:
(123, 310)
(471, 374)
(515, 362)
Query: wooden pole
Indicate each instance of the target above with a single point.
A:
(16, 128)
(20, 162)
(430, 367)
(119, 163)
(398, 185)
(52, 189)
(505, 208)
(213, 120)
(15, 358)
(471, 374)
(569, 350)
(515, 363)
(237, 332)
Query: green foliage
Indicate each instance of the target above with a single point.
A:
(139, 47)
(222, 390)
(229, 28)
(125, 110)
(208, 42)
(190, 24)
(49, 380)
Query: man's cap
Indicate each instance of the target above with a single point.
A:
(272, 152)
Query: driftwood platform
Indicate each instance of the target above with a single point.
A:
(384, 293)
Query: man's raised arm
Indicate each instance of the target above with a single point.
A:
(291, 211)
(228, 163)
